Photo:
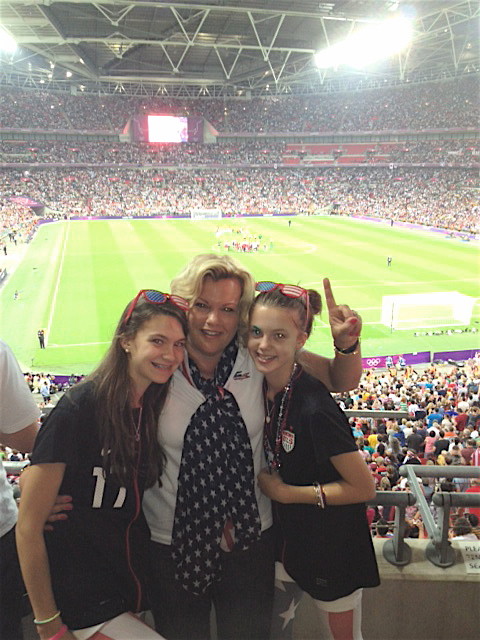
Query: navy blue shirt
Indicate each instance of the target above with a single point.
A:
(328, 552)
(98, 556)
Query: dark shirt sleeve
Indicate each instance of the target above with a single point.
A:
(329, 428)
(57, 440)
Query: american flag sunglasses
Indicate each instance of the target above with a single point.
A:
(289, 290)
(155, 297)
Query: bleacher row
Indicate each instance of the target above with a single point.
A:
(449, 104)
(432, 180)
(445, 198)
(464, 152)
(426, 417)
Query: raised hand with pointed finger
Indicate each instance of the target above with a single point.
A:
(345, 323)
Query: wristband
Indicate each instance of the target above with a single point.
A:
(60, 633)
(47, 620)
(349, 351)
(320, 495)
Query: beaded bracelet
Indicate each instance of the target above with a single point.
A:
(60, 633)
(47, 620)
(320, 495)
(349, 351)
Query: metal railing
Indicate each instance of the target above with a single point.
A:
(15, 468)
(439, 550)
(395, 549)
(378, 415)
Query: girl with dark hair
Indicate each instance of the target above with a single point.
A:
(99, 445)
(316, 476)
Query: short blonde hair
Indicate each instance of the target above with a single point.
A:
(189, 282)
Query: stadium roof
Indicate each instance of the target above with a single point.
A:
(224, 47)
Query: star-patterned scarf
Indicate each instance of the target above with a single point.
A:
(216, 482)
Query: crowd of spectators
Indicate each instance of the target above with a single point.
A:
(34, 109)
(121, 178)
(445, 152)
(421, 106)
(435, 197)
(443, 428)
(448, 153)
(17, 225)
(16, 222)
(437, 105)
(142, 154)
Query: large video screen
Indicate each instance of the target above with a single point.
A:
(167, 129)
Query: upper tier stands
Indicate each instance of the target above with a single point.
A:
(244, 174)
(443, 105)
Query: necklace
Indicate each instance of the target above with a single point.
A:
(269, 407)
(273, 436)
(136, 427)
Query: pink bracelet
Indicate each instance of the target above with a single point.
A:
(60, 633)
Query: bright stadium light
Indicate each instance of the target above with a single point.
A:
(368, 45)
(7, 42)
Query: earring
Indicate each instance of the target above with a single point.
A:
(126, 350)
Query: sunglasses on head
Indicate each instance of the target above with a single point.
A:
(289, 290)
(155, 297)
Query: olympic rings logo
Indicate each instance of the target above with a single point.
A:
(373, 362)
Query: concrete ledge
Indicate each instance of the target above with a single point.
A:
(416, 602)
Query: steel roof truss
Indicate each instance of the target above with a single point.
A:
(190, 40)
(114, 17)
(228, 73)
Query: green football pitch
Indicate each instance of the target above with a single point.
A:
(77, 276)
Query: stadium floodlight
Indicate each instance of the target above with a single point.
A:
(368, 45)
(7, 42)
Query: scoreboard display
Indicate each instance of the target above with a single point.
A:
(167, 129)
(154, 128)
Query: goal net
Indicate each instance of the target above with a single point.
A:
(424, 310)
(206, 214)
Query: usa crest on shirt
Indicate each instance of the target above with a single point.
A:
(288, 441)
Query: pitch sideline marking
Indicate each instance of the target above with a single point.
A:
(57, 283)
